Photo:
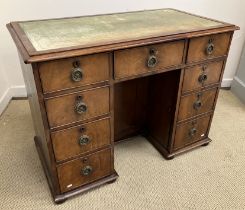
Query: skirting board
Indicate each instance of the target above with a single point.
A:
(238, 88)
(15, 91)
(226, 82)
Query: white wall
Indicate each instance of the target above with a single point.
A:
(238, 84)
(15, 10)
(4, 89)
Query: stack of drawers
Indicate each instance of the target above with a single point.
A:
(205, 63)
(78, 112)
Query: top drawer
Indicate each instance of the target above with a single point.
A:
(140, 60)
(74, 72)
(206, 47)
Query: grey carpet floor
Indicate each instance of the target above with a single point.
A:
(211, 177)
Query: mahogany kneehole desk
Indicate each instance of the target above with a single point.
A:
(96, 80)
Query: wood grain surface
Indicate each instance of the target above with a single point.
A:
(71, 173)
(192, 75)
(133, 61)
(56, 75)
(206, 98)
(183, 135)
(61, 110)
(198, 46)
(66, 142)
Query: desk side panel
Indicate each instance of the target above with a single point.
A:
(162, 100)
(39, 118)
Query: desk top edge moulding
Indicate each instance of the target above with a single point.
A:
(46, 39)
(95, 80)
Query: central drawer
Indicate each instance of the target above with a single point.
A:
(140, 60)
(77, 106)
(81, 171)
(196, 103)
(77, 140)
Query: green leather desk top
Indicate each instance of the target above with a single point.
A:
(94, 30)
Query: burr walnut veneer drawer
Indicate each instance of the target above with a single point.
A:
(140, 60)
(80, 171)
(202, 75)
(80, 139)
(192, 131)
(196, 103)
(205, 47)
(74, 72)
(77, 106)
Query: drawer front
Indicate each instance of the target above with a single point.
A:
(206, 47)
(141, 60)
(196, 103)
(84, 170)
(74, 72)
(202, 75)
(191, 132)
(78, 106)
(80, 139)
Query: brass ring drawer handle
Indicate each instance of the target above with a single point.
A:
(80, 106)
(192, 132)
(76, 74)
(202, 78)
(210, 48)
(87, 170)
(84, 140)
(152, 61)
(197, 105)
